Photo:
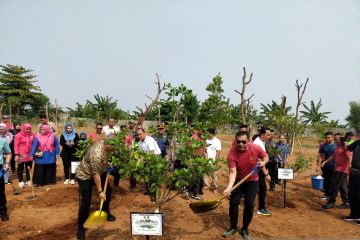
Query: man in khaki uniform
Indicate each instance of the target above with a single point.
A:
(92, 171)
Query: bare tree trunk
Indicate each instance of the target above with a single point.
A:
(1, 109)
(243, 100)
(249, 116)
(47, 110)
(300, 94)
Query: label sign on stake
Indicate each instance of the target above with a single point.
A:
(285, 173)
(149, 224)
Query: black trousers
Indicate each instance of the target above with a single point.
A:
(20, 170)
(67, 159)
(248, 190)
(132, 181)
(339, 182)
(2, 190)
(116, 176)
(262, 189)
(273, 169)
(44, 174)
(197, 187)
(327, 175)
(354, 193)
(85, 192)
(12, 163)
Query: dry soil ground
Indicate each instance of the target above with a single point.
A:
(53, 214)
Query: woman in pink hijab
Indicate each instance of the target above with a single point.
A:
(45, 150)
(22, 147)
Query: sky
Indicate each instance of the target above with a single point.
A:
(115, 48)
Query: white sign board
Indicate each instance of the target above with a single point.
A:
(74, 165)
(146, 224)
(285, 173)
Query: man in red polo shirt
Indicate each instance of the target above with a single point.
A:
(242, 160)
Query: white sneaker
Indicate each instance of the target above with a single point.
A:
(29, 183)
(67, 181)
(72, 182)
(21, 184)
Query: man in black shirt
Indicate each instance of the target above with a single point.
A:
(354, 183)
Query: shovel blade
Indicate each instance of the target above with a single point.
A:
(204, 206)
(95, 220)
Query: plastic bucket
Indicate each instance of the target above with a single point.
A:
(317, 182)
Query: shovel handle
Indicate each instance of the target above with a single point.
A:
(105, 187)
(239, 183)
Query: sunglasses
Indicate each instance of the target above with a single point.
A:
(239, 141)
(99, 128)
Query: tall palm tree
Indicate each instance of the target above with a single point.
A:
(312, 113)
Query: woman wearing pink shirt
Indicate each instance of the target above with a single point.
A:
(22, 147)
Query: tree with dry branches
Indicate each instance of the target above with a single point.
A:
(300, 88)
(245, 102)
(143, 113)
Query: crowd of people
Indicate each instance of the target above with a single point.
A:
(338, 161)
(32, 150)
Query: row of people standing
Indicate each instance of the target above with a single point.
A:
(339, 159)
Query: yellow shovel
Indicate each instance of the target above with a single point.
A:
(97, 218)
(205, 206)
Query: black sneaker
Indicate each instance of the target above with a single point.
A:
(328, 206)
(196, 197)
(110, 217)
(358, 223)
(245, 234)
(230, 232)
(81, 234)
(344, 206)
(186, 194)
(4, 217)
(349, 218)
(324, 197)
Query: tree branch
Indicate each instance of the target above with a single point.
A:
(148, 108)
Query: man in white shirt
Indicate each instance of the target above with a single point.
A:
(264, 136)
(147, 143)
(213, 152)
(111, 128)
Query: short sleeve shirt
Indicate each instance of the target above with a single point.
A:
(343, 158)
(260, 143)
(110, 130)
(245, 161)
(214, 145)
(4, 148)
(94, 161)
(149, 144)
(328, 150)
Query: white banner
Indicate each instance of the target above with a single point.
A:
(285, 173)
(146, 224)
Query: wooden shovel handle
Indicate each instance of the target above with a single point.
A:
(239, 183)
(105, 187)
(106, 182)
